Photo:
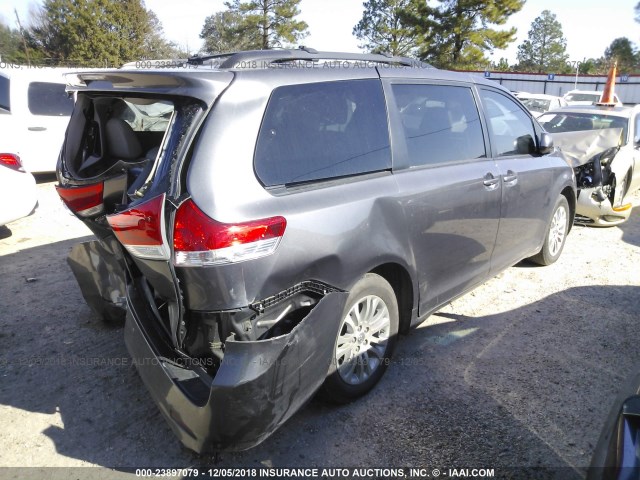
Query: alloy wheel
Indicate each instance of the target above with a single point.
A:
(363, 339)
(558, 230)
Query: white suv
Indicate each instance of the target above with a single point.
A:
(34, 113)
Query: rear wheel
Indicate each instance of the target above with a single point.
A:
(556, 235)
(365, 340)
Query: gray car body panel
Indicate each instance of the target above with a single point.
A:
(437, 224)
(101, 277)
(203, 85)
(429, 207)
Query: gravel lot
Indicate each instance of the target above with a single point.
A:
(520, 372)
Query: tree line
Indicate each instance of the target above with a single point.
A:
(452, 34)
(461, 34)
(93, 33)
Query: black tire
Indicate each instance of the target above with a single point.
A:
(373, 347)
(551, 250)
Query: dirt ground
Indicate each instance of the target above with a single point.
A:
(520, 372)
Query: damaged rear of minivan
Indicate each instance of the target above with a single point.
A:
(225, 366)
(268, 227)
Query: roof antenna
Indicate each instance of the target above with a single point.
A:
(607, 99)
(310, 50)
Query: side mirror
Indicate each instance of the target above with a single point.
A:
(636, 141)
(546, 144)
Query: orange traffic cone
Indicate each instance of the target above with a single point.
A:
(607, 98)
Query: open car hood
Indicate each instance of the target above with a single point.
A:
(580, 147)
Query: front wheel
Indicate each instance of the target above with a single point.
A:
(365, 340)
(556, 235)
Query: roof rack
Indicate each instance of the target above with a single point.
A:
(265, 58)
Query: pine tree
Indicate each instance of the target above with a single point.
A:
(622, 51)
(382, 28)
(220, 34)
(502, 65)
(95, 32)
(545, 49)
(156, 45)
(268, 23)
(11, 46)
(457, 33)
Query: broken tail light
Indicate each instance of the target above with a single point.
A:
(85, 200)
(141, 229)
(11, 161)
(199, 240)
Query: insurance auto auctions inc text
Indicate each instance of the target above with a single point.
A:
(349, 473)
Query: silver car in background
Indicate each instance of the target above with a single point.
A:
(586, 97)
(539, 103)
(603, 145)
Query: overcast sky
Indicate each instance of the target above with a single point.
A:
(588, 25)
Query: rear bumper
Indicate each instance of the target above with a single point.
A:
(258, 386)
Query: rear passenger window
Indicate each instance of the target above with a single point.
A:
(510, 127)
(46, 98)
(440, 123)
(4, 95)
(323, 130)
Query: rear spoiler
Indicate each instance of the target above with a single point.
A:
(204, 86)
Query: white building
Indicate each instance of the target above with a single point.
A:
(627, 86)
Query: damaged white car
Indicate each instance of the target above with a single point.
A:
(603, 146)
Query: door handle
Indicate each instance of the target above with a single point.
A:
(490, 181)
(37, 129)
(511, 178)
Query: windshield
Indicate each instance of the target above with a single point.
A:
(536, 104)
(575, 122)
(583, 97)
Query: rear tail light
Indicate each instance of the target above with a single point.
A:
(200, 240)
(85, 200)
(141, 229)
(11, 161)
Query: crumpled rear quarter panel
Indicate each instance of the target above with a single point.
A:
(257, 388)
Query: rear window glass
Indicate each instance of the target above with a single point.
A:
(46, 98)
(323, 130)
(144, 115)
(4, 94)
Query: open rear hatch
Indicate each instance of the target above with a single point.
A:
(129, 139)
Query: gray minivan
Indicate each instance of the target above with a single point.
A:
(269, 222)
